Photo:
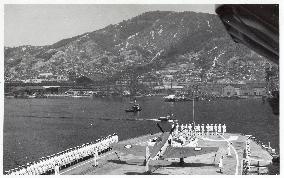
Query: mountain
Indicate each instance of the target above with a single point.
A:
(152, 41)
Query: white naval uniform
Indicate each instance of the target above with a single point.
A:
(211, 129)
(224, 129)
(229, 149)
(215, 129)
(56, 170)
(208, 128)
(220, 163)
(219, 128)
(202, 129)
(95, 159)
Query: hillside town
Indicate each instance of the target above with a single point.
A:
(141, 89)
(129, 58)
(161, 82)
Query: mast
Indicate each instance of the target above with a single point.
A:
(193, 113)
(193, 117)
(193, 110)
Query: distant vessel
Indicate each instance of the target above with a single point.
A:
(78, 94)
(81, 96)
(174, 98)
(9, 95)
(135, 107)
(168, 118)
(170, 98)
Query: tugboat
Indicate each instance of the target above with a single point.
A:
(135, 108)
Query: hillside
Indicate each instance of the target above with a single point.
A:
(154, 40)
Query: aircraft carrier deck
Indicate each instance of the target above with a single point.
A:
(111, 163)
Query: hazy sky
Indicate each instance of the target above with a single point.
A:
(30, 24)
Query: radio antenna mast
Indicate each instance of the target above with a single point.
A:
(193, 111)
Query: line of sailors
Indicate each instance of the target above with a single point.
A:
(247, 160)
(267, 147)
(208, 129)
(52, 164)
(251, 165)
(247, 154)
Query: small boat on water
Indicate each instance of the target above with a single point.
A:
(174, 98)
(78, 94)
(168, 118)
(170, 98)
(36, 95)
(81, 96)
(135, 108)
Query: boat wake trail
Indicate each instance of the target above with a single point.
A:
(71, 117)
(129, 119)
(48, 117)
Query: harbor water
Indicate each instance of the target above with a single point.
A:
(34, 128)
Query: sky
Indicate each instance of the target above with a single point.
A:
(44, 24)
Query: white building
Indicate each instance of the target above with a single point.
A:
(45, 75)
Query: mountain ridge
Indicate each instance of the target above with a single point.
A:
(197, 39)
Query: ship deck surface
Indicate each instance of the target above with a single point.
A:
(206, 164)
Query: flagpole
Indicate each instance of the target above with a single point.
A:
(193, 113)
(193, 110)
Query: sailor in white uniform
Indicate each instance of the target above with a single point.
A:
(229, 149)
(56, 169)
(176, 131)
(215, 129)
(173, 125)
(224, 128)
(116, 138)
(8, 172)
(186, 130)
(190, 129)
(219, 128)
(147, 167)
(14, 172)
(211, 129)
(197, 129)
(95, 159)
(28, 172)
(220, 165)
(22, 170)
(181, 128)
(202, 129)
(248, 151)
(207, 129)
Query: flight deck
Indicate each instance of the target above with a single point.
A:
(235, 159)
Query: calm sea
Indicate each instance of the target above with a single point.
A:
(34, 128)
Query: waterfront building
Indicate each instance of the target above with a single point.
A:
(165, 88)
(259, 91)
(45, 75)
(229, 91)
